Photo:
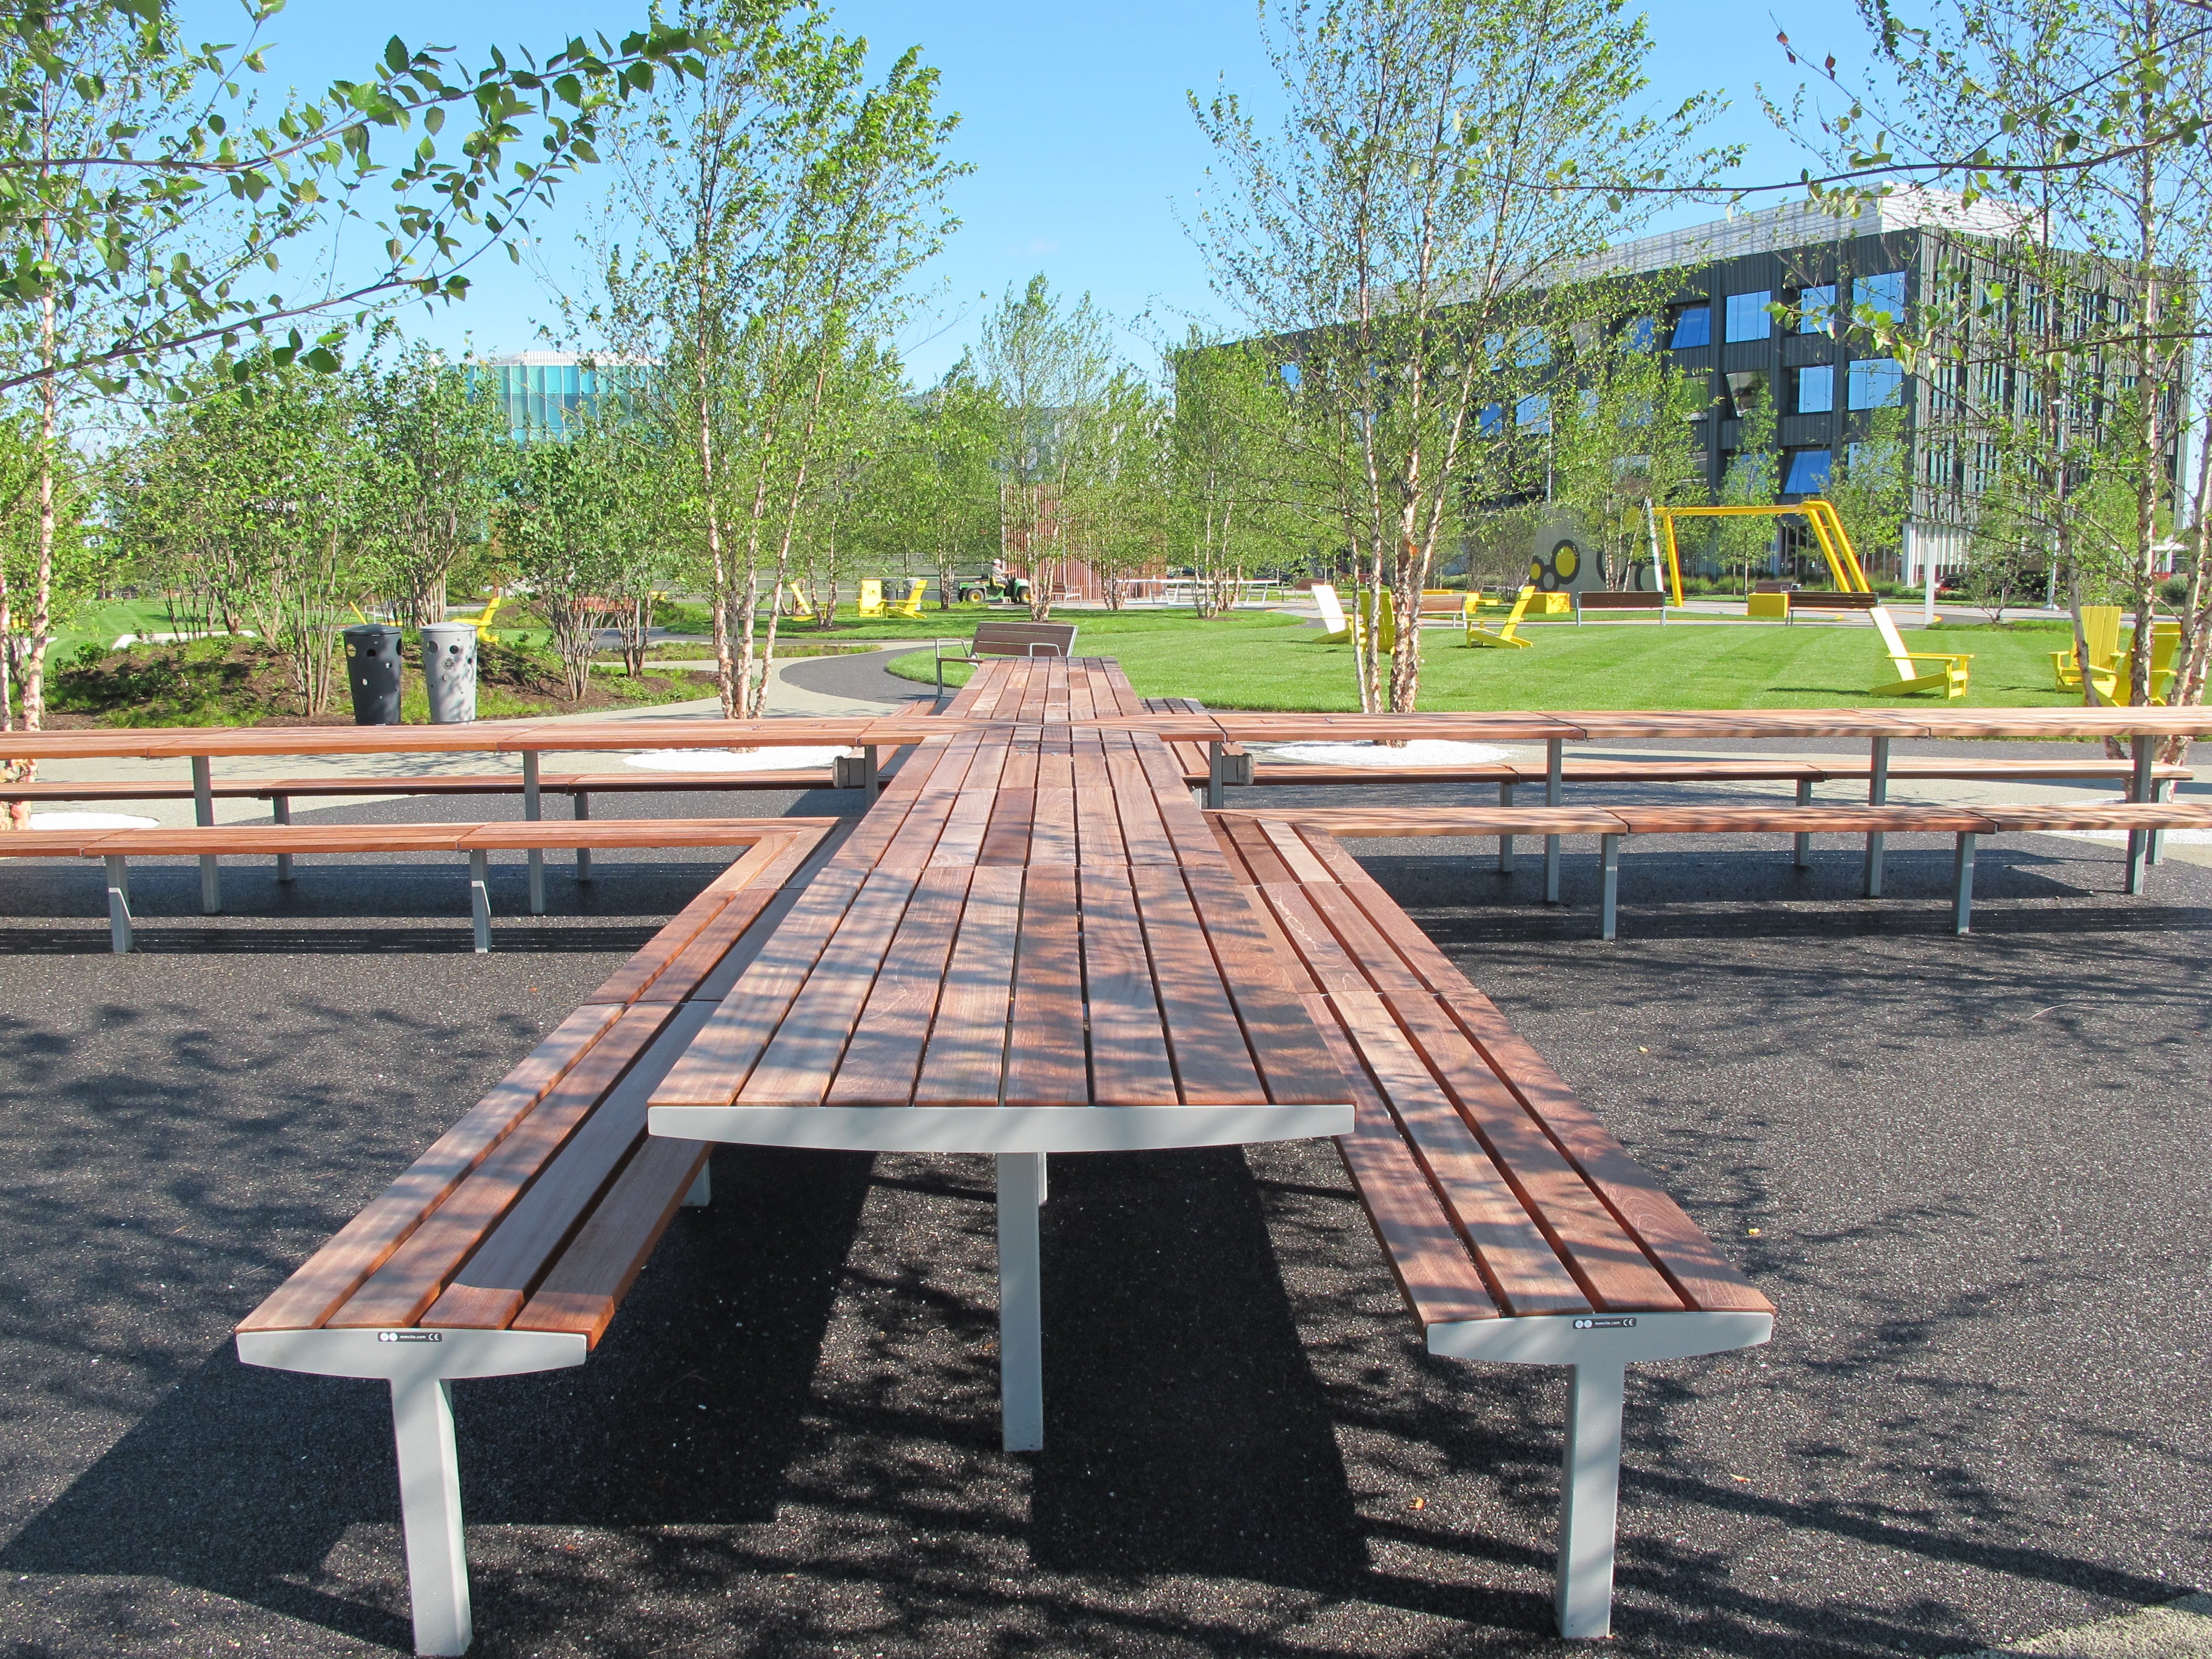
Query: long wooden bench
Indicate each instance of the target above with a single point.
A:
(508, 1246)
(1520, 1232)
(282, 790)
(1615, 825)
(117, 848)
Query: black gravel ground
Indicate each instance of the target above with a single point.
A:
(1970, 1172)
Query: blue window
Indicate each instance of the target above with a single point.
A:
(1874, 383)
(1816, 389)
(1533, 412)
(1747, 318)
(1531, 349)
(1884, 292)
(1641, 334)
(1807, 473)
(1816, 308)
(1292, 375)
(1491, 420)
(1693, 326)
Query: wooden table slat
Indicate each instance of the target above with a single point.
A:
(1206, 1043)
(884, 1056)
(722, 1056)
(1045, 1063)
(796, 1067)
(1128, 1041)
(965, 1062)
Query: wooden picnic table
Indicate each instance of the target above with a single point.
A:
(1032, 944)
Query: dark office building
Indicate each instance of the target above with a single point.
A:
(1824, 379)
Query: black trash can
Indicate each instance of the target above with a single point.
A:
(372, 671)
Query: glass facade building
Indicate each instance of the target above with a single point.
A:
(546, 393)
(1770, 309)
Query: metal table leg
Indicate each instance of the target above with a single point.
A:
(1877, 796)
(1021, 1334)
(1505, 842)
(582, 811)
(480, 897)
(1609, 882)
(1590, 1494)
(1963, 902)
(280, 811)
(2146, 756)
(1554, 759)
(1804, 842)
(203, 815)
(534, 810)
(118, 903)
(430, 1514)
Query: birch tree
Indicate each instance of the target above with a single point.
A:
(1439, 166)
(777, 206)
(1051, 365)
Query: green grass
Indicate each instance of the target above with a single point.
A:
(1271, 662)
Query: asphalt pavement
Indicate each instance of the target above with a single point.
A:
(1970, 1172)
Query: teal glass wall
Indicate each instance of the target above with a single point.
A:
(547, 400)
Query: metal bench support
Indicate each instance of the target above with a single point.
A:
(1505, 842)
(1877, 796)
(534, 808)
(581, 812)
(1609, 882)
(118, 903)
(1804, 842)
(702, 1189)
(480, 897)
(1554, 760)
(280, 811)
(2139, 840)
(1590, 1493)
(1963, 902)
(1021, 1334)
(430, 1513)
(203, 815)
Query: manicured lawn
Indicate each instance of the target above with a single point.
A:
(1266, 662)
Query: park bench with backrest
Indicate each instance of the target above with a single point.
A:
(509, 1245)
(1605, 602)
(1010, 639)
(1520, 1232)
(1821, 601)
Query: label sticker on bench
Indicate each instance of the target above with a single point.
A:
(439, 1336)
(1618, 1323)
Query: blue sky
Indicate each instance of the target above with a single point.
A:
(1074, 119)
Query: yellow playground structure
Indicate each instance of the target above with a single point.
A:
(1820, 516)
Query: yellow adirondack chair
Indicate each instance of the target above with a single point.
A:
(1950, 679)
(1507, 633)
(2100, 630)
(871, 597)
(483, 618)
(792, 602)
(1385, 614)
(911, 605)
